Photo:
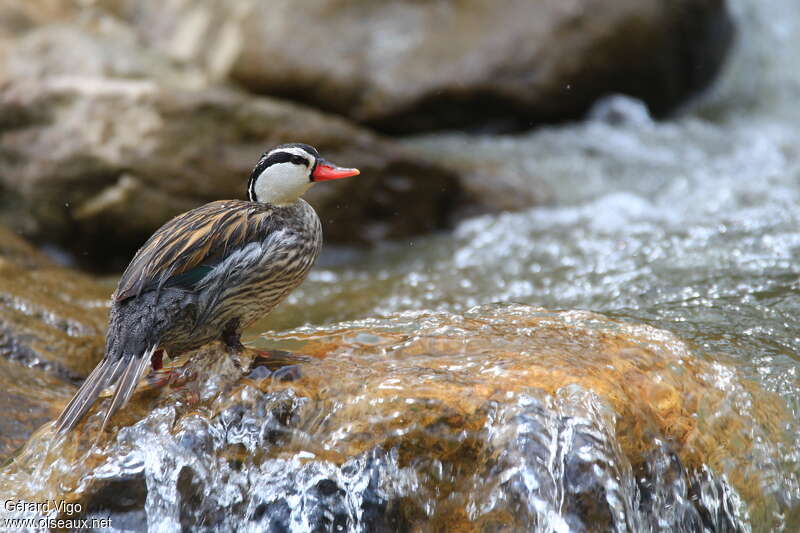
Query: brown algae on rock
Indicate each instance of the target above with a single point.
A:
(52, 322)
(503, 416)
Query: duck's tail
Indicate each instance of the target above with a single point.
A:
(123, 371)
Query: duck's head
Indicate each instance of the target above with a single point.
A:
(287, 171)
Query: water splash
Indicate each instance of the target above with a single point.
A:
(505, 417)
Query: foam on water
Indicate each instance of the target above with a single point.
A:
(507, 416)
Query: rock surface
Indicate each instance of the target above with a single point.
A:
(52, 322)
(95, 154)
(18, 18)
(415, 66)
(502, 418)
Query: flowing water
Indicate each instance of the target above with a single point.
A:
(503, 418)
(689, 226)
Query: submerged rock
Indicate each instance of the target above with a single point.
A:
(52, 322)
(417, 66)
(505, 418)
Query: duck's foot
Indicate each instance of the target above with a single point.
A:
(182, 383)
(232, 339)
(174, 377)
(232, 336)
(181, 380)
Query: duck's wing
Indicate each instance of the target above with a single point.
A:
(187, 247)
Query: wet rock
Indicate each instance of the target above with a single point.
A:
(52, 322)
(417, 66)
(26, 400)
(52, 318)
(97, 163)
(505, 418)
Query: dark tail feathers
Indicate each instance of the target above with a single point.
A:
(124, 371)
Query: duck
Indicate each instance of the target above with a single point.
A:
(209, 273)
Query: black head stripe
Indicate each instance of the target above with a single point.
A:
(281, 157)
(308, 148)
(274, 157)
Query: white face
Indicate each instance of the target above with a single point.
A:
(285, 179)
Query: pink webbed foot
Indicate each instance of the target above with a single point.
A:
(174, 377)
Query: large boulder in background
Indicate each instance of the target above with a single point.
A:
(97, 45)
(99, 163)
(17, 18)
(413, 66)
(102, 141)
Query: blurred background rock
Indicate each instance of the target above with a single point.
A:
(118, 114)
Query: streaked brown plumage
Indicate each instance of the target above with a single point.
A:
(209, 273)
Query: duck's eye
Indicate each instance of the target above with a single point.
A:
(299, 160)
